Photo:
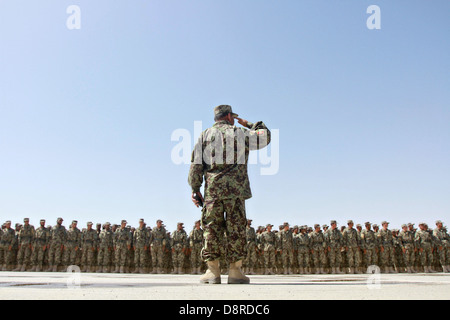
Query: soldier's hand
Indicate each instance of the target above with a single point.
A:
(404, 250)
(421, 250)
(31, 247)
(382, 249)
(19, 246)
(44, 248)
(242, 122)
(129, 247)
(195, 201)
(346, 248)
(173, 250)
(365, 251)
(9, 248)
(440, 248)
(145, 248)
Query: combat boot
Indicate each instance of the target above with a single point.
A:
(4, 268)
(358, 271)
(235, 274)
(317, 271)
(116, 270)
(180, 270)
(447, 269)
(24, 267)
(99, 269)
(333, 271)
(88, 270)
(141, 271)
(39, 268)
(122, 269)
(33, 269)
(212, 275)
(338, 270)
(17, 268)
(55, 269)
(322, 271)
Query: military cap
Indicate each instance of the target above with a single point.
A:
(99, 224)
(141, 220)
(8, 222)
(18, 225)
(349, 221)
(123, 221)
(26, 220)
(128, 226)
(89, 223)
(198, 221)
(425, 224)
(333, 222)
(410, 224)
(159, 221)
(75, 221)
(60, 219)
(325, 226)
(404, 226)
(224, 108)
(249, 220)
(358, 225)
(316, 226)
(421, 223)
(309, 229)
(180, 223)
(439, 221)
(384, 222)
(375, 225)
(303, 227)
(295, 227)
(269, 225)
(107, 224)
(366, 223)
(42, 220)
(285, 223)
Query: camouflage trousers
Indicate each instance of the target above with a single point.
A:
(319, 258)
(38, 255)
(7, 255)
(104, 256)
(88, 257)
(120, 256)
(70, 256)
(269, 257)
(409, 256)
(353, 257)
(387, 258)
(444, 256)
(303, 259)
(335, 257)
(55, 254)
(426, 257)
(158, 256)
(140, 258)
(251, 258)
(371, 257)
(220, 217)
(24, 254)
(196, 257)
(287, 257)
(178, 257)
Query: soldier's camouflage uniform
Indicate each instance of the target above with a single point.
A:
(251, 247)
(41, 242)
(407, 243)
(287, 249)
(303, 245)
(122, 243)
(352, 242)
(318, 247)
(226, 184)
(196, 239)
(158, 245)
(269, 242)
(25, 239)
(385, 239)
(424, 242)
(58, 239)
(8, 239)
(90, 244)
(72, 245)
(141, 243)
(442, 239)
(179, 244)
(105, 248)
(334, 241)
(369, 242)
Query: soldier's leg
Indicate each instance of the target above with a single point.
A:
(212, 224)
(235, 229)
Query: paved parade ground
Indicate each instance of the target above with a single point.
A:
(28, 285)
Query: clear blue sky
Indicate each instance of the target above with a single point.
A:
(86, 115)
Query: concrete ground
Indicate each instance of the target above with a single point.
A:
(28, 285)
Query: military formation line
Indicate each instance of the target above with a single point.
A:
(289, 250)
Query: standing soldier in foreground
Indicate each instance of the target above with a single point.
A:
(269, 245)
(335, 244)
(443, 242)
(141, 242)
(352, 245)
(369, 243)
(179, 244)
(303, 249)
(386, 241)
(105, 249)
(318, 249)
(26, 239)
(59, 236)
(40, 245)
(72, 245)
(226, 188)
(195, 241)
(90, 243)
(406, 238)
(251, 258)
(158, 246)
(287, 248)
(6, 243)
(122, 244)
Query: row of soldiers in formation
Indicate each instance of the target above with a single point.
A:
(107, 248)
(298, 249)
(329, 249)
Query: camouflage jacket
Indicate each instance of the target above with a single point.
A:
(385, 238)
(424, 239)
(317, 240)
(122, 238)
(224, 167)
(159, 237)
(8, 237)
(406, 239)
(179, 239)
(351, 238)
(42, 237)
(251, 236)
(369, 239)
(302, 242)
(106, 239)
(90, 239)
(59, 235)
(196, 237)
(268, 240)
(334, 238)
(441, 237)
(73, 238)
(26, 235)
(141, 238)
(286, 240)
